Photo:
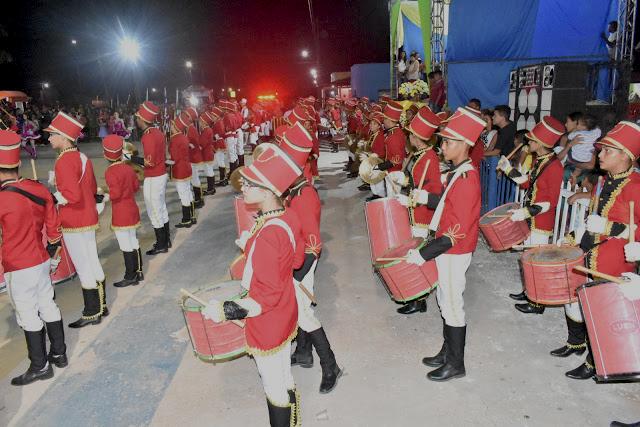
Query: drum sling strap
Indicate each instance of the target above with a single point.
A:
(535, 178)
(35, 199)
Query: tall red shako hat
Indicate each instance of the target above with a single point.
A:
(66, 126)
(425, 123)
(465, 126)
(273, 170)
(297, 143)
(547, 132)
(112, 147)
(148, 111)
(393, 110)
(183, 121)
(9, 149)
(624, 136)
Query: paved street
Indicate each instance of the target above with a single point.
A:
(137, 367)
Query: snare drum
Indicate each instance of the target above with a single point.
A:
(388, 225)
(214, 342)
(499, 231)
(245, 215)
(613, 326)
(66, 270)
(549, 277)
(404, 281)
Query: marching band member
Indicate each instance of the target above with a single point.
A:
(76, 198)
(542, 187)
(229, 121)
(206, 143)
(195, 156)
(27, 206)
(242, 124)
(456, 225)
(125, 217)
(155, 176)
(181, 169)
(219, 145)
(422, 174)
(607, 226)
(303, 199)
(375, 146)
(273, 251)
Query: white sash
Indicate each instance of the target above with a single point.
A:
(435, 221)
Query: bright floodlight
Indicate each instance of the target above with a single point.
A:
(188, 64)
(45, 85)
(153, 89)
(314, 72)
(74, 41)
(304, 53)
(193, 100)
(130, 49)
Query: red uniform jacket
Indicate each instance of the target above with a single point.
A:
(544, 185)
(352, 124)
(123, 185)
(153, 145)
(272, 261)
(179, 152)
(305, 202)
(21, 222)
(315, 155)
(218, 135)
(206, 144)
(377, 144)
(461, 215)
(195, 151)
(77, 184)
(421, 215)
(336, 118)
(394, 146)
(229, 125)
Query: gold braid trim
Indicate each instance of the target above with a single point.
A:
(453, 235)
(588, 365)
(263, 217)
(298, 413)
(80, 229)
(67, 150)
(125, 227)
(576, 346)
(260, 352)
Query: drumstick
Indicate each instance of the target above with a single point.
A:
(424, 174)
(33, 169)
(632, 226)
(307, 293)
(513, 152)
(598, 274)
(57, 254)
(204, 303)
(403, 258)
(526, 246)
(500, 216)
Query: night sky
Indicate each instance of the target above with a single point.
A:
(254, 45)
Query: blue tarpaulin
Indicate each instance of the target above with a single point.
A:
(489, 38)
(369, 79)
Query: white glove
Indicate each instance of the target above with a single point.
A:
(420, 196)
(596, 224)
(100, 207)
(126, 155)
(398, 177)
(169, 162)
(192, 146)
(105, 198)
(52, 178)
(363, 156)
(214, 311)
(519, 214)
(60, 198)
(53, 264)
(414, 257)
(504, 164)
(361, 144)
(241, 241)
(632, 251)
(631, 287)
(403, 200)
(374, 155)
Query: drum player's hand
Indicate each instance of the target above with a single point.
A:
(53, 264)
(518, 214)
(105, 198)
(214, 311)
(403, 200)
(631, 287)
(504, 164)
(632, 251)
(414, 257)
(241, 241)
(361, 144)
(363, 156)
(100, 207)
(398, 177)
(421, 196)
(596, 224)
(169, 162)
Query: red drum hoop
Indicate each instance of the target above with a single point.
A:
(403, 281)
(236, 269)
(549, 277)
(500, 232)
(613, 326)
(387, 224)
(214, 342)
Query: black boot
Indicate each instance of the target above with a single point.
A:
(294, 400)
(279, 416)
(241, 160)
(92, 313)
(372, 197)
(197, 196)
(211, 186)
(621, 424)
(57, 349)
(417, 305)
(167, 233)
(530, 307)
(194, 221)
(130, 270)
(103, 296)
(39, 369)
(223, 178)
(364, 187)
(330, 370)
(303, 355)
(576, 341)
(160, 246)
(454, 364)
(440, 358)
(519, 297)
(347, 167)
(186, 218)
(139, 265)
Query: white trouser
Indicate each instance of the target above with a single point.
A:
(185, 192)
(275, 371)
(267, 128)
(208, 169)
(307, 319)
(253, 138)
(378, 189)
(263, 129)
(195, 173)
(391, 187)
(537, 238)
(83, 250)
(31, 294)
(154, 190)
(220, 160)
(127, 239)
(572, 310)
(232, 154)
(351, 156)
(240, 142)
(452, 280)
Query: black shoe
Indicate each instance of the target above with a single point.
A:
(437, 360)
(530, 308)
(621, 424)
(279, 416)
(414, 306)
(199, 204)
(92, 313)
(222, 182)
(59, 360)
(39, 369)
(303, 354)
(186, 218)
(566, 351)
(330, 380)
(33, 376)
(139, 273)
(364, 187)
(211, 186)
(582, 372)
(198, 201)
(330, 370)
(454, 364)
(160, 246)
(370, 198)
(130, 272)
(519, 297)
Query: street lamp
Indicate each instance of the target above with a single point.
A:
(45, 85)
(130, 49)
(74, 41)
(188, 64)
(304, 53)
(314, 73)
(153, 89)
